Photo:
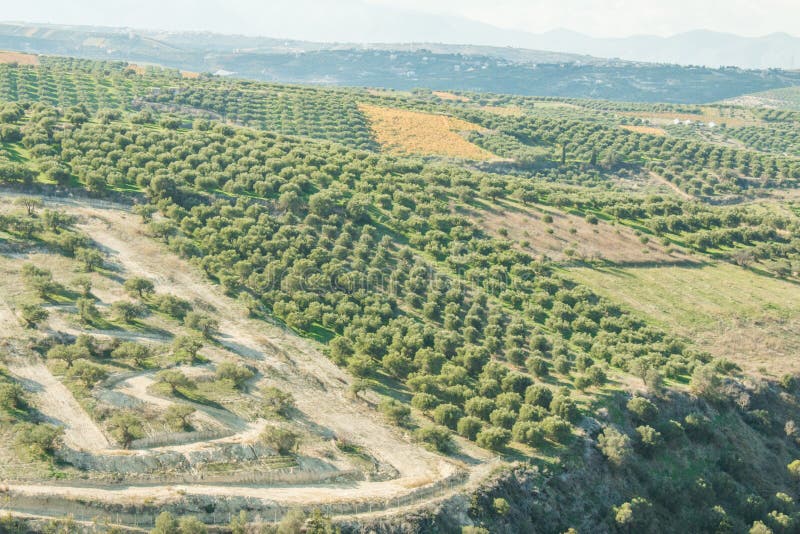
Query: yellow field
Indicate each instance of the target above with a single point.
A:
(751, 319)
(189, 74)
(412, 132)
(444, 95)
(650, 130)
(19, 58)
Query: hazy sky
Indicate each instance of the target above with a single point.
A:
(347, 19)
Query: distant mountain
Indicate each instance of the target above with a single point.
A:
(700, 47)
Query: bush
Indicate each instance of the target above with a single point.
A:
(281, 439)
(201, 322)
(447, 415)
(480, 407)
(469, 427)
(493, 438)
(615, 446)
(642, 410)
(130, 350)
(395, 411)
(33, 314)
(537, 366)
(539, 395)
(503, 417)
(556, 428)
(238, 374)
(436, 437)
(276, 401)
(38, 440)
(501, 506)
(528, 433)
(177, 417)
(565, 408)
(649, 439)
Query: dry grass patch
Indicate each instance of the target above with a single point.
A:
(570, 236)
(189, 74)
(412, 132)
(650, 130)
(444, 95)
(508, 111)
(19, 58)
(729, 311)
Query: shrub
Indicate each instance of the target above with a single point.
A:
(501, 506)
(565, 408)
(648, 439)
(130, 350)
(277, 401)
(447, 415)
(173, 379)
(556, 428)
(539, 395)
(238, 374)
(537, 366)
(436, 437)
(33, 314)
(201, 322)
(503, 417)
(480, 407)
(398, 413)
(615, 446)
(642, 410)
(424, 401)
(38, 440)
(127, 312)
(281, 439)
(469, 427)
(493, 438)
(528, 433)
(191, 525)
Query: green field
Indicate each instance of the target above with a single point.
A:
(729, 311)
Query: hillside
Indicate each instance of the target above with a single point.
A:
(401, 66)
(246, 303)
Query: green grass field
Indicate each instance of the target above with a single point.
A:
(729, 311)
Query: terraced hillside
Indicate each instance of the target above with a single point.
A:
(250, 310)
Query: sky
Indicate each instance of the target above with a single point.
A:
(355, 20)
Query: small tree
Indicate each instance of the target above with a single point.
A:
(125, 427)
(130, 350)
(139, 287)
(166, 523)
(32, 314)
(447, 415)
(87, 310)
(38, 440)
(185, 348)
(191, 525)
(177, 416)
(126, 311)
(202, 323)
(91, 259)
(173, 379)
(87, 373)
(68, 353)
(469, 427)
(642, 409)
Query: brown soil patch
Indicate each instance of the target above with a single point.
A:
(444, 95)
(19, 58)
(650, 130)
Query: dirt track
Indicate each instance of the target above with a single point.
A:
(318, 386)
